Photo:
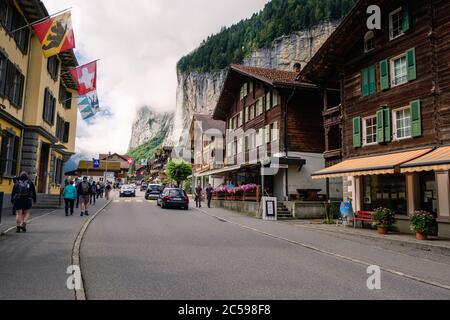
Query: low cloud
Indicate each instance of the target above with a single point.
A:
(139, 43)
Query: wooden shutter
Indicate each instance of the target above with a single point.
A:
(365, 82)
(384, 75)
(3, 73)
(357, 132)
(380, 126)
(416, 118)
(406, 22)
(387, 125)
(372, 79)
(411, 64)
(3, 153)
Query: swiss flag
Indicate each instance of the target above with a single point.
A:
(85, 77)
(130, 161)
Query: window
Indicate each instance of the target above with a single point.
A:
(275, 98)
(3, 68)
(251, 141)
(65, 97)
(9, 154)
(21, 36)
(11, 83)
(399, 70)
(268, 101)
(402, 123)
(369, 41)
(274, 131)
(59, 168)
(53, 67)
(370, 131)
(396, 23)
(60, 127)
(260, 107)
(66, 134)
(369, 81)
(49, 107)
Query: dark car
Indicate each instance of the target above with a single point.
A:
(153, 191)
(144, 186)
(173, 198)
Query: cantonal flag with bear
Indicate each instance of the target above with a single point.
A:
(86, 77)
(55, 34)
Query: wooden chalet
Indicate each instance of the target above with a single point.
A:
(274, 122)
(387, 118)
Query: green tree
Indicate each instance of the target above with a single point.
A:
(179, 171)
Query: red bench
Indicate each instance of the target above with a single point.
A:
(363, 216)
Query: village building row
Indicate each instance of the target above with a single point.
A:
(367, 120)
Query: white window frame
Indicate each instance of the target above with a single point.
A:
(394, 124)
(369, 36)
(364, 123)
(391, 24)
(392, 69)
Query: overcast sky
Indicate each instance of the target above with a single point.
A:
(139, 43)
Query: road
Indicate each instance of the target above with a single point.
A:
(136, 250)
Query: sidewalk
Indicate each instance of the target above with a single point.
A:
(431, 266)
(9, 221)
(438, 245)
(34, 264)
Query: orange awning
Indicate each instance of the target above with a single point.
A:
(438, 160)
(367, 166)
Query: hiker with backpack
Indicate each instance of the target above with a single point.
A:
(93, 195)
(69, 194)
(108, 191)
(23, 196)
(84, 192)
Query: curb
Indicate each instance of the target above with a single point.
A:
(385, 239)
(80, 294)
(329, 253)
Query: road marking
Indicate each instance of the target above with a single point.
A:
(81, 293)
(307, 246)
(116, 201)
(127, 201)
(139, 201)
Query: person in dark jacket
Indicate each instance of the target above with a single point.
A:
(23, 196)
(93, 194)
(84, 192)
(198, 196)
(209, 194)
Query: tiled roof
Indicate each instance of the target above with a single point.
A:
(271, 76)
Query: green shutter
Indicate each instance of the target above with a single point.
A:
(387, 125)
(406, 23)
(365, 82)
(384, 75)
(411, 64)
(380, 126)
(372, 79)
(357, 132)
(416, 118)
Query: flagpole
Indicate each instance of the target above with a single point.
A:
(40, 20)
(64, 73)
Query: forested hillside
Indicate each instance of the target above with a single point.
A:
(279, 17)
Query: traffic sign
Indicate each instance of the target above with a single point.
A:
(96, 163)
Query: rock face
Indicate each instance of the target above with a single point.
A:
(147, 124)
(198, 93)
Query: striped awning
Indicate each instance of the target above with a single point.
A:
(367, 166)
(438, 160)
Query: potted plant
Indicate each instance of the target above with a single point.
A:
(421, 223)
(384, 219)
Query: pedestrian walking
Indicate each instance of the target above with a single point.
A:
(108, 191)
(99, 187)
(84, 193)
(70, 194)
(93, 194)
(198, 196)
(209, 194)
(23, 196)
(77, 184)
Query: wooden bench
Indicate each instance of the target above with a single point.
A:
(363, 216)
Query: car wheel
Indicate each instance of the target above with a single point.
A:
(162, 205)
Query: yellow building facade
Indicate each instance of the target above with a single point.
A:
(38, 117)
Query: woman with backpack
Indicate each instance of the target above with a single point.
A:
(23, 196)
(84, 190)
(70, 194)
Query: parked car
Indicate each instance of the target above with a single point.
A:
(144, 186)
(153, 191)
(173, 198)
(127, 191)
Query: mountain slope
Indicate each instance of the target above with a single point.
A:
(278, 18)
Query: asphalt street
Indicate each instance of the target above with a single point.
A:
(136, 250)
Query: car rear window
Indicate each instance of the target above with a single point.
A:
(177, 193)
(155, 187)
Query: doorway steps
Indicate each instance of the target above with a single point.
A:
(283, 212)
(48, 201)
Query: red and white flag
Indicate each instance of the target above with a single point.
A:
(85, 77)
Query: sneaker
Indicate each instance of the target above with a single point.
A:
(82, 214)
(18, 229)
(86, 213)
(24, 228)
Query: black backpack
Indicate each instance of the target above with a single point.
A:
(23, 189)
(85, 188)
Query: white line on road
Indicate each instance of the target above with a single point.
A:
(398, 273)
(30, 221)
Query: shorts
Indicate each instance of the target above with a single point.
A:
(85, 199)
(23, 204)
